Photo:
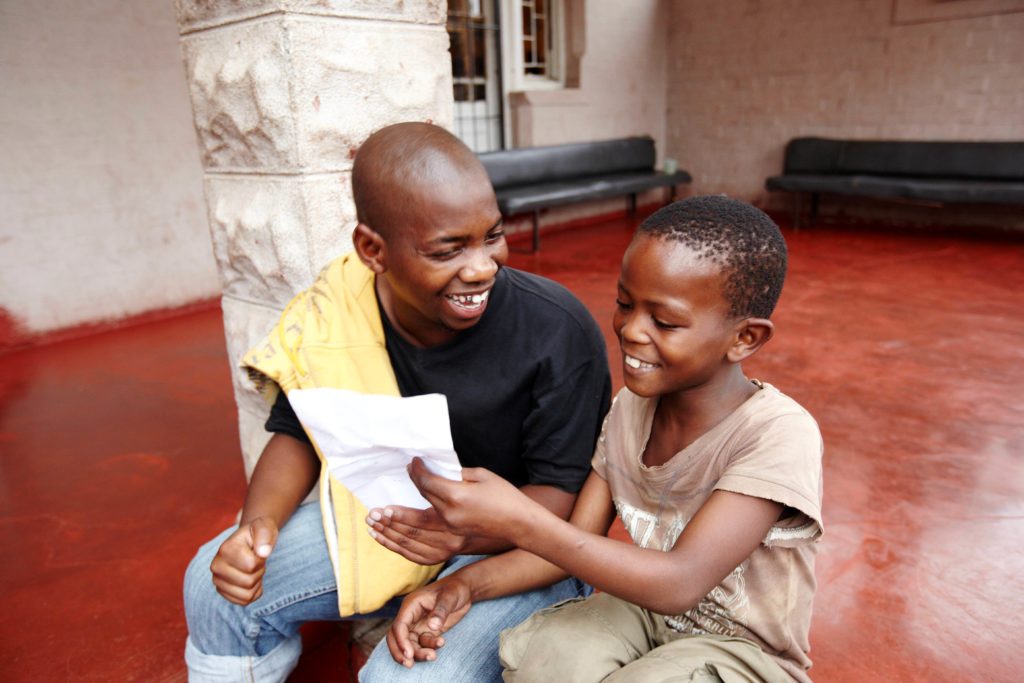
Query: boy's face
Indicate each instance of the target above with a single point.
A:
(672, 318)
(441, 262)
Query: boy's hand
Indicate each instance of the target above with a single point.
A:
(426, 613)
(241, 561)
(482, 504)
(419, 536)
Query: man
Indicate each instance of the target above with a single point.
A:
(522, 365)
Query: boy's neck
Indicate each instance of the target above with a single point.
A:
(683, 417)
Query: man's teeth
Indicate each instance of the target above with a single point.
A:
(636, 363)
(469, 299)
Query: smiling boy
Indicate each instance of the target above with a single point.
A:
(424, 304)
(716, 477)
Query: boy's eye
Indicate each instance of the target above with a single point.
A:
(664, 325)
(622, 304)
(495, 236)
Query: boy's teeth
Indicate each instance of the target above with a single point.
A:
(636, 363)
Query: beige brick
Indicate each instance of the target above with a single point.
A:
(271, 235)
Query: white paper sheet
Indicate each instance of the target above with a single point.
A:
(368, 440)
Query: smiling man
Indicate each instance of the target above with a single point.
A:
(424, 304)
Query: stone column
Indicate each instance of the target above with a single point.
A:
(283, 93)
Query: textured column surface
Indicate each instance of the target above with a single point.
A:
(283, 93)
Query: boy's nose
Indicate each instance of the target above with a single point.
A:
(632, 330)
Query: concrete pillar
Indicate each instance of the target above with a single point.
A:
(283, 93)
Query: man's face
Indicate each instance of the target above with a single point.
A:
(441, 262)
(672, 319)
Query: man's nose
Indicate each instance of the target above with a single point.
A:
(480, 266)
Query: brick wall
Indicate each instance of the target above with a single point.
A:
(745, 77)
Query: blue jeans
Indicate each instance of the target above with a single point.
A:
(260, 642)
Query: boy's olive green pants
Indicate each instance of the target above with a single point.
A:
(602, 638)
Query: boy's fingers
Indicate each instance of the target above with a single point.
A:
(264, 536)
(435, 489)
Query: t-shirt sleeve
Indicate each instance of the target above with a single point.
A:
(569, 404)
(782, 462)
(283, 420)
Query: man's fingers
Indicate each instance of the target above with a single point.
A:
(398, 644)
(264, 536)
(429, 642)
(412, 551)
(398, 514)
(239, 595)
(236, 577)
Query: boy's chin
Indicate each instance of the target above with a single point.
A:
(642, 389)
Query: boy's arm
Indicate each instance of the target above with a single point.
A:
(723, 533)
(435, 608)
(284, 475)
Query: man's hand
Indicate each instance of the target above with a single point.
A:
(426, 613)
(419, 536)
(241, 561)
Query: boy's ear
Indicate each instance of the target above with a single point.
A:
(751, 334)
(371, 248)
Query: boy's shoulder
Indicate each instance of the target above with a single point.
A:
(772, 404)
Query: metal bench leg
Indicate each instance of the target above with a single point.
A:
(671, 193)
(796, 210)
(814, 208)
(632, 204)
(536, 230)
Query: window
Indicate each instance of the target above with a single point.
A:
(473, 32)
(535, 43)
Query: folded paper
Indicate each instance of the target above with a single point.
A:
(369, 439)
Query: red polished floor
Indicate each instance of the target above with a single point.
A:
(120, 455)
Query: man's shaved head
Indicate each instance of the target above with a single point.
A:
(401, 159)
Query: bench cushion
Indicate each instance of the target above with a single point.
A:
(514, 200)
(894, 187)
(556, 163)
(921, 159)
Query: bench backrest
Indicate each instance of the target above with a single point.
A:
(552, 163)
(939, 159)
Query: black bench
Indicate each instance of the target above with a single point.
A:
(529, 179)
(943, 172)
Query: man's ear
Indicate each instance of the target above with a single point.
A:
(371, 248)
(751, 334)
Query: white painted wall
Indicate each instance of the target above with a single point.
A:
(622, 87)
(101, 201)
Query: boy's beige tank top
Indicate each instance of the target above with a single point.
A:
(769, 447)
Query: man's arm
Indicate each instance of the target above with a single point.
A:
(284, 475)
(422, 537)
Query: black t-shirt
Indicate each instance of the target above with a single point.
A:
(527, 386)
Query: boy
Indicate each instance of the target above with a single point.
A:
(716, 478)
(422, 305)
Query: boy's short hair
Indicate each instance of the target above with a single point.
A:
(742, 239)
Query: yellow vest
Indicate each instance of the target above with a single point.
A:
(331, 336)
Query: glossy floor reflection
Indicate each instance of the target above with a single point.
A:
(120, 456)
